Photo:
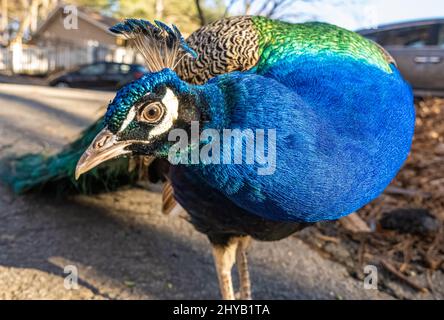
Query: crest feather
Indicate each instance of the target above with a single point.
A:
(160, 45)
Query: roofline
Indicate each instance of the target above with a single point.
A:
(94, 22)
(81, 14)
(397, 25)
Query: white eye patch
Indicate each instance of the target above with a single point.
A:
(172, 110)
(172, 105)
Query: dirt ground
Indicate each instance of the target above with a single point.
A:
(121, 243)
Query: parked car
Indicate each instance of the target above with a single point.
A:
(418, 48)
(99, 75)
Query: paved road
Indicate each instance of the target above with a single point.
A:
(121, 244)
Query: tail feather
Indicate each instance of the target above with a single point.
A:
(39, 172)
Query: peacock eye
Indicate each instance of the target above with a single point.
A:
(152, 112)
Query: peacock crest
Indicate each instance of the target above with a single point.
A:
(160, 45)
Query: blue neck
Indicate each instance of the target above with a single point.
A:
(342, 133)
(215, 102)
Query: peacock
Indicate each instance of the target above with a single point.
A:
(332, 107)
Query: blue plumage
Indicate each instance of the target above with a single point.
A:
(343, 131)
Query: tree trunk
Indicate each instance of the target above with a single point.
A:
(28, 9)
(4, 23)
(200, 13)
(34, 16)
(45, 9)
(247, 7)
(159, 9)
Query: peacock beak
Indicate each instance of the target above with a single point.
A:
(104, 147)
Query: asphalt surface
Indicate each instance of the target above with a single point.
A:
(121, 244)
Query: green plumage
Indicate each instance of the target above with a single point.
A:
(56, 172)
(313, 38)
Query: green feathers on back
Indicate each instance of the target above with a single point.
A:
(313, 38)
(245, 42)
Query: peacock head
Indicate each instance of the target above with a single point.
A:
(143, 112)
(138, 120)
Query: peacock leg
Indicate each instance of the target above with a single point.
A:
(224, 258)
(242, 267)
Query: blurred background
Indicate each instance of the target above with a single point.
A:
(34, 39)
(121, 243)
